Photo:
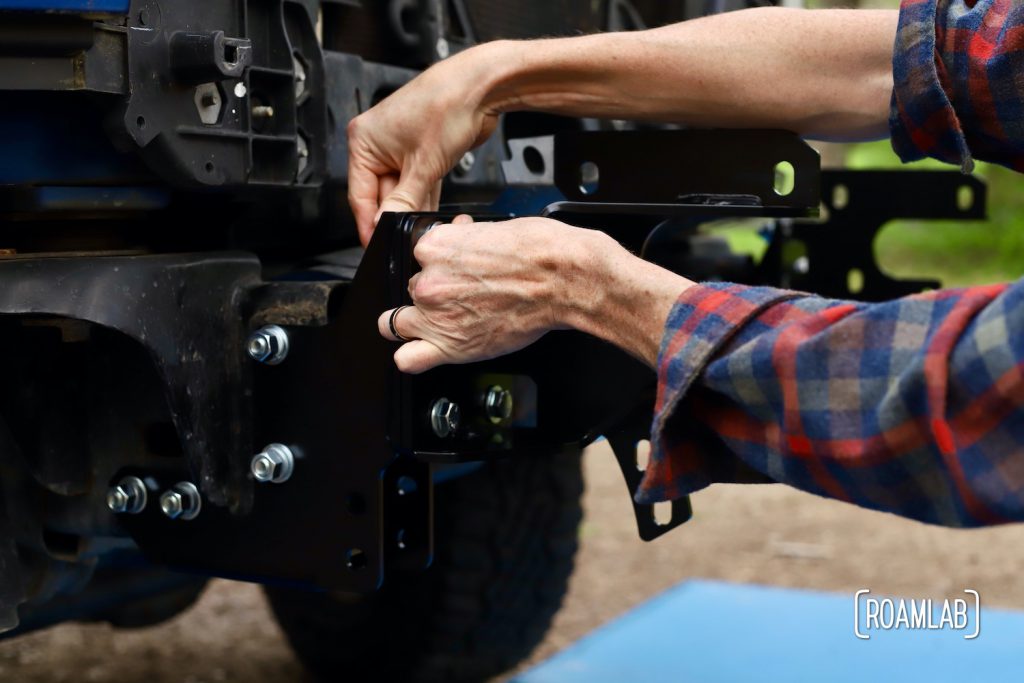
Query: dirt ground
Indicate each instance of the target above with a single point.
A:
(767, 535)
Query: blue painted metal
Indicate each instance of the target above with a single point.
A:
(723, 633)
(111, 6)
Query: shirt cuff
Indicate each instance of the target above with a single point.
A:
(922, 121)
(703, 319)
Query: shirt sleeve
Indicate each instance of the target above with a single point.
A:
(956, 82)
(913, 406)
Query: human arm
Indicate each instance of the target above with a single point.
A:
(913, 406)
(820, 73)
(487, 289)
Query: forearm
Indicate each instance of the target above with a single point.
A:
(821, 73)
(607, 292)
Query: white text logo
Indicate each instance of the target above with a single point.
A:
(892, 614)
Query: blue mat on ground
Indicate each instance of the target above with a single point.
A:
(714, 632)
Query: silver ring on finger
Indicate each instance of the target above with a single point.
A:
(391, 324)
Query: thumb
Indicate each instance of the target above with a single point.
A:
(418, 356)
(412, 193)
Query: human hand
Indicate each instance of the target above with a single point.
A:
(401, 149)
(485, 290)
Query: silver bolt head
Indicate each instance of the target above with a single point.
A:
(117, 500)
(130, 495)
(274, 464)
(444, 417)
(443, 48)
(268, 345)
(259, 348)
(182, 501)
(263, 467)
(498, 404)
(467, 162)
(172, 504)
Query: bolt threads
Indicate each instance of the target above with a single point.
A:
(274, 464)
(182, 501)
(268, 345)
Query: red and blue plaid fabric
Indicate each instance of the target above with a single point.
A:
(913, 406)
(958, 74)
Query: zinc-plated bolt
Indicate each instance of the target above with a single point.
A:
(182, 501)
(268, 345)
(443, 48)
(128, 496)
(444, 417)
(274, 464)
(498, 403)
(466, 162)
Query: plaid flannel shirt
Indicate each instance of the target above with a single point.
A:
(914, 406)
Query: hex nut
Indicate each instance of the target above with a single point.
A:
(117, 499)
(268, 345)
(128, 496)
(182, 501)
(274, 464)
(466, 163)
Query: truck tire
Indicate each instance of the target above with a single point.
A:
(505, 543)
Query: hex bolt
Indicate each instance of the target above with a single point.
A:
(498, 403)
(443, 48)
(182, 501)
(273, 464)
(268, 345)
(466, 162)
(444, 417)
(128, 496)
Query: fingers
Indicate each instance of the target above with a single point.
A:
(363, 193)
(407, 321)
(412, 193)
(462, 219)
(414, 356)
(418, 356)
(435, 197)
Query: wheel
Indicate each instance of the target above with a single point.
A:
(505, 543)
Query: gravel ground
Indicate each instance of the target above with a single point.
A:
(768, 535)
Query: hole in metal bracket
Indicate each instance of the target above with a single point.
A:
(643, 454)
(965, 197)
(784, 178)
(590, 177)
(406, 486)
(355, 559)
(534, 160)
(840, 197)
(661, 513)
